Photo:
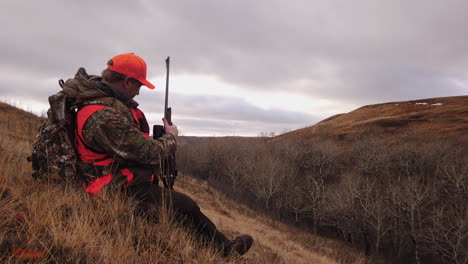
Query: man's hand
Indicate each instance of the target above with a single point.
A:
(170, 129)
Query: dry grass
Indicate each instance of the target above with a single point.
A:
(44, 223)
(437, 117)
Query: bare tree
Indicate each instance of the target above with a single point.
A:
(413, 196)
(447, 234)
(238, 164)
(339, 211)
(295, 201)
(268, 176)
(313, 189)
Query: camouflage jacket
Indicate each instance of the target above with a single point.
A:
(113, 131)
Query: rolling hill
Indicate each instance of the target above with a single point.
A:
(443, 117)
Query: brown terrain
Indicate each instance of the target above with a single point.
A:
(435, 117)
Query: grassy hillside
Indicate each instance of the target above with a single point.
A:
(437, 118)
(45, 223)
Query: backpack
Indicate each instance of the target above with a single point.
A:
(54, 155)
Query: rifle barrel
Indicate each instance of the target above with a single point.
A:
(166, 114)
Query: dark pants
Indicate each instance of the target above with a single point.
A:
(186, 210)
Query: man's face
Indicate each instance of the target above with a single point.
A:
(131, 87)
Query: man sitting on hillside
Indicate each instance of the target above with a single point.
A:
(116, 153)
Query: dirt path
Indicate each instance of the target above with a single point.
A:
(269, 235)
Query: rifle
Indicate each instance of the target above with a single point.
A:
(169, 164)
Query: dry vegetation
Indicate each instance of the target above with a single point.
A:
(438, 118)
(61, 224)
(399, 193)
(45, 223)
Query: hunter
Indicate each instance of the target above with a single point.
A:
(112, 140)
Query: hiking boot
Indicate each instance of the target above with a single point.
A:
(239, 246)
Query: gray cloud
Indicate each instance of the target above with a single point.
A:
(237, 109)
(232, 128)
(229, 113)
(383, 83)
(357, 52)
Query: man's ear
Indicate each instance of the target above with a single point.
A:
(127, 81)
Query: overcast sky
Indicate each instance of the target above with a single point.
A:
(242, 67)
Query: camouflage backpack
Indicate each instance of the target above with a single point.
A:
(54, 154)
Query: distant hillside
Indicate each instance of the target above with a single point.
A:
(17, 123)
(442, 117)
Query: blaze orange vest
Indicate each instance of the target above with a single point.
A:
(99, 159)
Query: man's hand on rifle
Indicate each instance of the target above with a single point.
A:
(170, 129)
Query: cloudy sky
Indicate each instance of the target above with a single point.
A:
(242, 67)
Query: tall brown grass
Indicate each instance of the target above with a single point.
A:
(50, 223)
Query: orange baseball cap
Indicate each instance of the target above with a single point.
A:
(131, 65)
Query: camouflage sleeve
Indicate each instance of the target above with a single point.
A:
(109, 131)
